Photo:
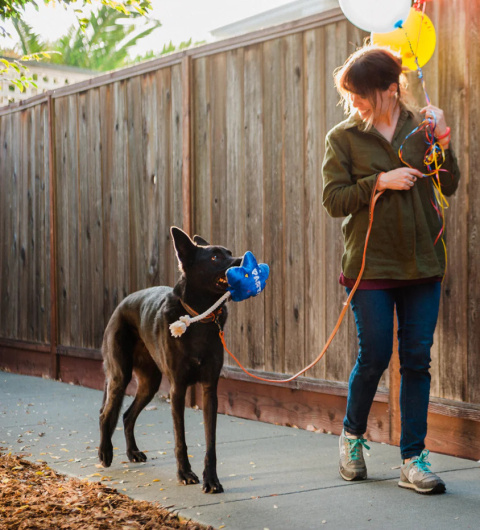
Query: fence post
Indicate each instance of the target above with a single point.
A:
(54, 370)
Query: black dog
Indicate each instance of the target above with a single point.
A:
(138, 340)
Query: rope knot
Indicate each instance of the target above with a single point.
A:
(178, 328)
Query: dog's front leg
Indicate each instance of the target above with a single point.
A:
(185, 474)
(211, 484)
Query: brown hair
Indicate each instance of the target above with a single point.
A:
(367, 71)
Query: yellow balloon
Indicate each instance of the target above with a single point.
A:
(416, 38)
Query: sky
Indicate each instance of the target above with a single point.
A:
(181, 20)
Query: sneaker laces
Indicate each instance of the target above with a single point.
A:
(421, 462)
(355, 447)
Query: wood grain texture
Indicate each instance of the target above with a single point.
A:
(316, 332)
(115, 198)
(452, 327)
(254, 196)
(162, 208)
(472, 40)
(202, 149)
(337, 368)
(180, 147)
(234, 231)
(274, 203)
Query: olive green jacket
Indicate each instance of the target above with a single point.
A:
(405, 226)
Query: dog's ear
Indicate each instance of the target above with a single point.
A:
(200, 241)
(185, 248)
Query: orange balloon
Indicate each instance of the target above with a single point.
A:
(416, 38)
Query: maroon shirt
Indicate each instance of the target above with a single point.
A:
(385, 284)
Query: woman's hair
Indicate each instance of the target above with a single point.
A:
(367, 71)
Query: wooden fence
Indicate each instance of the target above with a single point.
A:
(227, 141)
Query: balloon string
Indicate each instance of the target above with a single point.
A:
(434, 156)
(419, 69)
(435, 151)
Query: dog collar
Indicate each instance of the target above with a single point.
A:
(212, 317)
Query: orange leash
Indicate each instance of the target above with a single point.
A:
(375, 196)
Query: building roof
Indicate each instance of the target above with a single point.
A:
(272, 17)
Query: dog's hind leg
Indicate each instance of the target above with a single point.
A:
(185, 475)
(118, 359)
(148, 378)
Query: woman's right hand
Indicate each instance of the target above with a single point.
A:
(402, 178)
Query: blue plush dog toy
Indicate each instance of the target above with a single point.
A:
(244, 281)
(248, 279)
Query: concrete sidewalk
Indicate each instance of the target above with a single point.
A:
(274, 477)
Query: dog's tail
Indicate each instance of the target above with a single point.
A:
(117, 350)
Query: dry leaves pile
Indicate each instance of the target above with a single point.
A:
(33, 496)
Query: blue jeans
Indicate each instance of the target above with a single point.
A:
(417, 310)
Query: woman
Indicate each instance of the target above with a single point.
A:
(405, 257)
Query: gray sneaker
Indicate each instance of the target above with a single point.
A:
(352, 464)
(416, 475)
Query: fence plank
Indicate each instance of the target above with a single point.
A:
(23, 222)
(218, 96)
(9, 211)
(315, 215)
(137, 185)
(336, 368)
(148, 180)
(202, 149)
(4, 226)
(254, 203)
(453, 319)
(177, 150)
(63, 183)
(294, 205)
(236, 202)
(472, 38)
(164, 103)
(115, 197)
(91, 220)
(41, 247)
(274, 189)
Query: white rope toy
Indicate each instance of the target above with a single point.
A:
(178, 328)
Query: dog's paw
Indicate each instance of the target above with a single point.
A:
(211, 485)
(105, 455)
(136, 456)
(187, 477)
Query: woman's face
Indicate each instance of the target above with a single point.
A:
(365, 108)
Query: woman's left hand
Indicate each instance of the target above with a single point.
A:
(436, 117)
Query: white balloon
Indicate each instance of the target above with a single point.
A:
(378, 16)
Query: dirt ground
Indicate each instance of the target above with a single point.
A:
(34, 496)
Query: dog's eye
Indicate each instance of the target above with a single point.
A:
(214, 258)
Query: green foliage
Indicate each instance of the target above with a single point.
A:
(101, 43)
(21, 81)
(12, 8)
(167, 48)
(15, 8)
(31, 44)
(104, 43)
(29, 41)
